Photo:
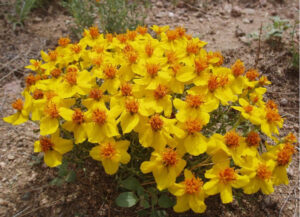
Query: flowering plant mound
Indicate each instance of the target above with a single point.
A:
(165, 105)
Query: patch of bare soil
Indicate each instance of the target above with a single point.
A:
(24, 181)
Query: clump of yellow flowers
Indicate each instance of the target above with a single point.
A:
(202, 123)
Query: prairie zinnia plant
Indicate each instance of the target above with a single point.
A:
(163, 105)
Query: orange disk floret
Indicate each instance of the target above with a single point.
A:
(289, 148)
(53, 55)
(194, 101)
(55, 72)
(132, 106)
(126, 89)
(290, 138)
(131, 35)
(252, 74)
(152, 69)
(169, 157)
(172, 35)
(46, 144)
(223, 80)
(38, 94)
(193, 126)
(108, 150)
(271, 105)
(122, 38)
(63, 42)
(98, 48)
(213, 83)
(248, 108)
(132, 56)
(217, 54)
(156, 123)
(232, 139)
(30, 80)
(272, 115)
(52, 110)
(110, 71)
(109, 37)
(238, 68)
(71, 77)
(253, 139)
(99, 116)
(263, 172)
(227, 175)
(142, 30)
(97, 61)
(175, 68)
(76, 48)
(192, 48)
(94, 32)
(171, 56)
(193, 185)
(96, 94)
(200, 65)
(149, 49)
(180, 31)
(160, 92)
(283, 157)
(18, 105)
(78, 116)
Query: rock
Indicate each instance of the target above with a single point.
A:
(171, 14)
(274, 13)
(227, 8)
(283, 101)
(290, 172)
(245, 40)
(159, 4)
(10, 157)
(246, 21)
(268, 202)
(249, 11)
(37, 19)
(263, 3)
(239, 32)
(236, 11)
(160, 15)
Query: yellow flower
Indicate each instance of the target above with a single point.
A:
(222, 179)
(260, 175)
(111, 153)
(271, 121)
(23, 110)
(53, 147)
(189, 194)
(165, 165)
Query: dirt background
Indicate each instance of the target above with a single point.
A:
(225, 25)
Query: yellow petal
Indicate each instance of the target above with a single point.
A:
(182, 204)
(48, 126)
(196, 204)
(211, 187)
(110, 167)
(37, 146)
(52, 158)
(226, 194)
(129, 122)
(95, 153)
(147, 166)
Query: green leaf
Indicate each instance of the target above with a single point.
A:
(126, 199)
(71, 177)
(165, 202)
(158, 213)
(130, 183)
(57, 182)
(144, 203)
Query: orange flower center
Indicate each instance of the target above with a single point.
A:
(56, 72)
(63, 42)
(132, 106)
(52, 55)
(283, 157)
(149, 49)
(227, 175)
(169, 157)
(223, 80)
(156, 122)
(108, 150)
(248, 108)
(213, 83)
(200, 65)
(98, 61)
(253, 139)
(175, 68)
(110, 71)
(96, 94)
(122, 38)
(18, 105)
(289, 148)
(172, 35)
(126, 89)
(50, 94)
(109, 37)
(194, 101)
(252, 74)
(171, 56)
(46, 144)
(290, 138)
(94, 32)
(30, 80)
(51, 110)
(193, 185)
(132, 56)
(99, 116)
(152, 69)
(271, 105)
(36, 64)
(71, 77)
(193, 126)
(232, 139)
(238, 68)
(272, 116)
(192, 48)
(131, 35)
(180, 31)
(142, 30)
(38, 94)
(98, 48)
(78, 116)
(160, 92)
(76, 48)
(263, 172)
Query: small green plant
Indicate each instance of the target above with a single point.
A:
(82, 12)
(276, 30)
(295, 48)
(64, 175)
